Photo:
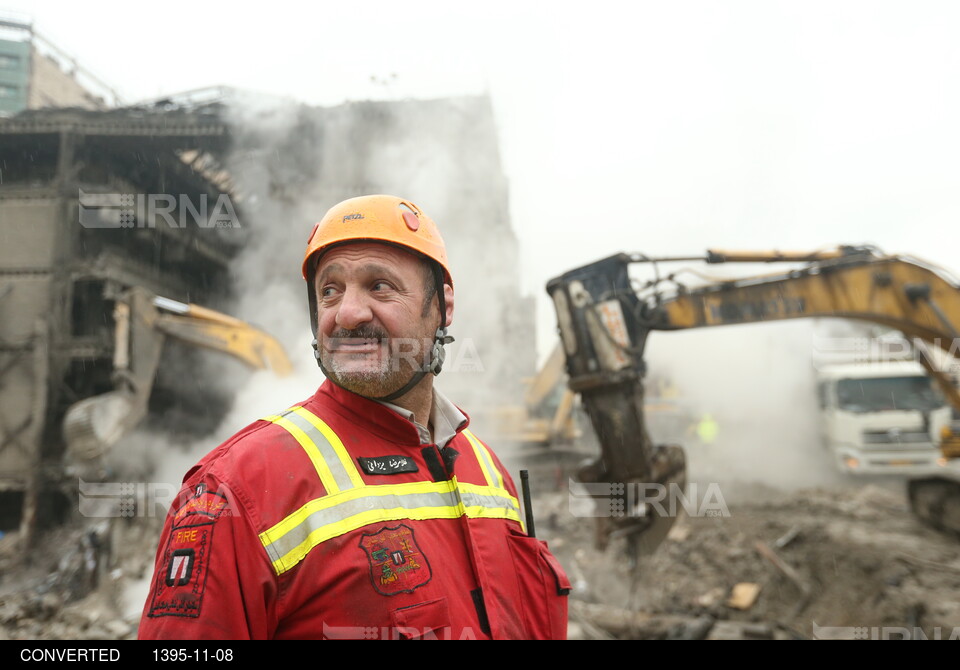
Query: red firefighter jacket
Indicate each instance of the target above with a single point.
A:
(331, 520)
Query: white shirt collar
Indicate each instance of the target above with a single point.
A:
(445, 417)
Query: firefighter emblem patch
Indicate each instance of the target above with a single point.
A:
(180, 567)
(396, 563)
(178, 589)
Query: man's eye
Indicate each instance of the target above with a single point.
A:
(327, 291)
(381, 286)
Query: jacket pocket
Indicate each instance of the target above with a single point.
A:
(423, 621)
(543, 588)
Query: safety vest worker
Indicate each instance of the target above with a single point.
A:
(707, 429)
(369, 510)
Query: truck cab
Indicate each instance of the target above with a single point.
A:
(881, 418)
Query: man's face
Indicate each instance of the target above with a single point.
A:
(373, 329)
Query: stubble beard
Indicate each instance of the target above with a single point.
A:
(373, 375)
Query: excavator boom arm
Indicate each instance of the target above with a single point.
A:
(605, 316)
(895, 292)
(142, 322)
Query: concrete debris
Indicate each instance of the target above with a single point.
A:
(735, 630)
(849, 556)
(787, 537)
(72, 587)
(619, 622)
(679, 532)
(710, 598)
(695, 629)
(865, 561)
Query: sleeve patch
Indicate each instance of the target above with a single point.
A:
(180, 583)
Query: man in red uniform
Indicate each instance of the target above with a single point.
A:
(369, 510)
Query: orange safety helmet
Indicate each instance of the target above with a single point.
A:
(383, 218)
(376, 218)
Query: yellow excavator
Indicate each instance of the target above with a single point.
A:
(605, 314)
(142, 322)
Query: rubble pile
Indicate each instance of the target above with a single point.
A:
(75, 584)
(819, 563)
(810, 564)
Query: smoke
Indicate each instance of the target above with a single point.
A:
(757, 382)
(292, 162)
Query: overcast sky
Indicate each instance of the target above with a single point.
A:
(662, 127)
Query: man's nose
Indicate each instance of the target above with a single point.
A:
(354, 309)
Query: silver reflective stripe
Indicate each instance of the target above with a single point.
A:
(327, 453)
(334, 520)
(471, 499)
(493, 475)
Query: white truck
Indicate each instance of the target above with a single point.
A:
(883, 417)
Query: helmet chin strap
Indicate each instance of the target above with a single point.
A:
(437, 352)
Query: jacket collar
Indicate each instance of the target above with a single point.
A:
(372, 415)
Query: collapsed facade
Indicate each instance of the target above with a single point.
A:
(76, 232)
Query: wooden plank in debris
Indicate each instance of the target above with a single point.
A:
(791, 574)
(933, 565)
(782, 566)
(743, 595)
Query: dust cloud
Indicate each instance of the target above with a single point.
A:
(757, 382)
(292, 162)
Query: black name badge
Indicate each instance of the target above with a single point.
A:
(387, 465)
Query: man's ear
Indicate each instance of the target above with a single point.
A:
(448, 298)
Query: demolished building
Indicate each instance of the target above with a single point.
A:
(80, 224)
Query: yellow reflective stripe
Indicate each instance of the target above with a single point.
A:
(488, 502)
(486, 461)
(313, 453)
(492, 498)
(325, 450)
(324, 533)
(327, 501)
(289, 541)
(335, 443)
(331, 516)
